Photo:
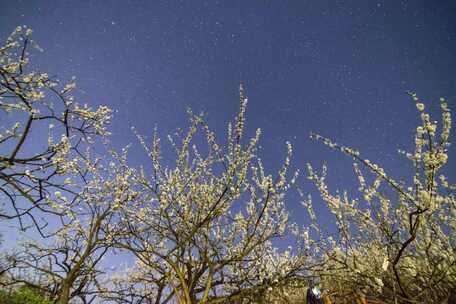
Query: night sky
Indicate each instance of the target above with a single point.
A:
(340, 68)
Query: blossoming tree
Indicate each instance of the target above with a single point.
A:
(50, 182)
(202, 229)
(397, 242)
(42, 133)
(68, 265)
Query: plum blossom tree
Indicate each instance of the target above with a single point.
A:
(202, 229)
(50, 181)
(42, 133)
(397, 241)
(68, 265)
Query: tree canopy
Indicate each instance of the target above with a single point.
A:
(202, 223)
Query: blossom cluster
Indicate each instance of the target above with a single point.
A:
(396, 242)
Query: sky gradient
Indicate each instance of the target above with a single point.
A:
(339, 68)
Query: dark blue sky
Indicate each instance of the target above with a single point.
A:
(340, 68)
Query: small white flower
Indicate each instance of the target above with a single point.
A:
(385, 264)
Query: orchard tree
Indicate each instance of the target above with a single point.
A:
(49, 180)
(69, 264)
(397, 241)
(43, 131)
(203, 229)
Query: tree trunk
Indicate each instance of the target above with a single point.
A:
(65, 294)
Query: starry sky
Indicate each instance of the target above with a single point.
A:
(340, 68)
